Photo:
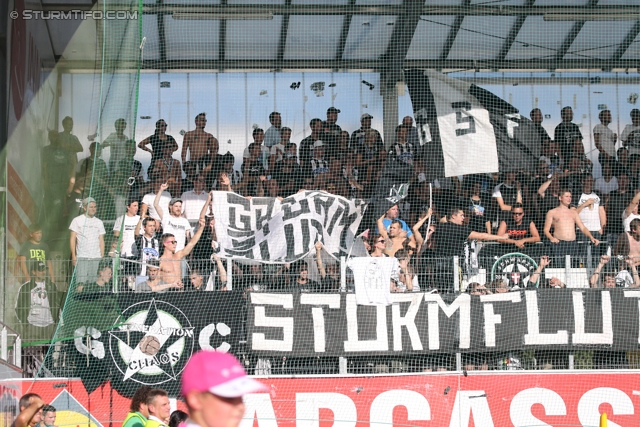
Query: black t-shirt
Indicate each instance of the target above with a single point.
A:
(618, 202)
(450, 239)
(565, 135)
(34, 252)
(306, 149)
(288, 175)
(481, 212)
(518, 232)
(544, 136)
(330, 135)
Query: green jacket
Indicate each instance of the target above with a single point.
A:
(154, 423)
(134, 419)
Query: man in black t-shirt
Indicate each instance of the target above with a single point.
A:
(331, 131)
(617, 203)
(34, 251)
(566, 132)
(521, 230)
(449, 239)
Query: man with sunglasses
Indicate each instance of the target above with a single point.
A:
(171, 259)
(522, 231)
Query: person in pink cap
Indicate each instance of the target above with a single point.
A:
(213, 384)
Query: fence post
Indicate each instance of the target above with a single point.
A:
(343, 280)
(571, 361)
(458, 362)
(342, 365)
(589, 263)
(3, 344)
(567, 268)
(456, 274)
(229, 274)
(17, 352)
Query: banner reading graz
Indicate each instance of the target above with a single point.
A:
(146, 339)
(333, 325)
(268, 229)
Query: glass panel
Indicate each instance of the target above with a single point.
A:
(633, 52)
(233, 123)
(192, 39)
(484, 39)
(253, 39)
(539, 38)
(313, 37)
(599, 39)
(150, 31)
(430, 37)
(368, 36)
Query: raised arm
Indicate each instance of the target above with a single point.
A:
(595, 277)
(544, 261)
(203, 211)
(192, 243)
(543, 188)
(319, 263)
(416, 230)
(25, 416)
(156, 201)
(222, 271)
(486, 236)
(381, 228)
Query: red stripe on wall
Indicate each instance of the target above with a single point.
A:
(20, 192)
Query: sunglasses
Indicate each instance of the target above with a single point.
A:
(173, 242)
(380, 241)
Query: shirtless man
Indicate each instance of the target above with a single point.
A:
(171, 261)
(396, 234)
(628, 244)
(564, 221)
(198, 142)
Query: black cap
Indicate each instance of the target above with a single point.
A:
(39, 266)
(332, 110)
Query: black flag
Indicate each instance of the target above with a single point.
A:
(391, 188)
(465, 129)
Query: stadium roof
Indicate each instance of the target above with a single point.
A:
(371, 34)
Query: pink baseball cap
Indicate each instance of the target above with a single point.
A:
(218, 373)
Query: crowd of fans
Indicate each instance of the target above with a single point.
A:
(168, 230)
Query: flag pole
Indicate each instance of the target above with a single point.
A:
(430, 207)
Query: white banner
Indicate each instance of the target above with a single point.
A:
(268, 229)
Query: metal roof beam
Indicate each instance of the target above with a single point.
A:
(342, 42)
(453, 33)
(377, 65)
(403, 31)
(284, 30)
(568, 41)
(513, 34)
(622, 48)
(353, 9)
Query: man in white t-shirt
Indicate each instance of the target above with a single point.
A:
(631, 134)
(590, 209)
(128, 248)
(604, 138)
(272, 135)
(372, 277)
(194, 200)
(173, 222)
(117, 141)
(87, 242)
(148, 209)
(607, 182)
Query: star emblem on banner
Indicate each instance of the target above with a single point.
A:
(152, 340)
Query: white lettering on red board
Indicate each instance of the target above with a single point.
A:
(468, 405)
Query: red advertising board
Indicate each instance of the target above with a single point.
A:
(434, 399)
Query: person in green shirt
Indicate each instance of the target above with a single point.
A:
(139, 414)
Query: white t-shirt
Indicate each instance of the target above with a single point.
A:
(39, 310)
(128, 238)
(88, 230)
(605, 187)
(118, 147)
(627, 221)
(606, 139)
(372, 276)
(192, 204)
(633, 141)
(590, 215)
(177, 226)
(278, 151)
(272, 136)
(165, 198)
